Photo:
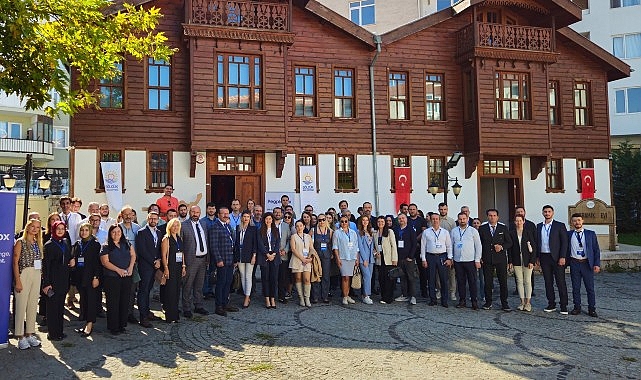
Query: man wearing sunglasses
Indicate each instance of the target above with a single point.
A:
(167, 201)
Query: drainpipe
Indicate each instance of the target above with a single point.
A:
(377, 41)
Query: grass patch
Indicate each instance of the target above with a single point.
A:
(632, 238)
(265, 337)
(260, 367)
(614, 268)
(629, 359)
(67, 344)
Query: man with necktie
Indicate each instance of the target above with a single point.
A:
(148, 256)
(495, 241)
(194, 236)
(585, 260)
(221, 241)
(552, 243)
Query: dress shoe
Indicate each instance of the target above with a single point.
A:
(231, 308)
(592, 313)
(461, 305)
(56, 338)
(432, 303)
(506, 308)
(145, 323)
(313, 300)
(114, 332)
(487, 306)
(326, 300)
(188, 314)
(550, 308)
(152, 317)
(132, 319)
(575, 311)
(221, 311)
(444, 304)
(475, 306)
(201, 311)
(122, 330)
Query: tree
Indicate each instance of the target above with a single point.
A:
(626, 176)
(42, 41)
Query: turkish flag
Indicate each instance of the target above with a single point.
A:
(587, 183)
(402, 185)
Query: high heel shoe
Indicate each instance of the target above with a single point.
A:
(85, 334)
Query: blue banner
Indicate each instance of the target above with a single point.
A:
(7, 230)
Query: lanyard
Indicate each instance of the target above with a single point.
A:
(400, 233)
(368, 243)
(579, 238)
(235, 218)
(83, 247)
(62, 247)
(547, 228)
(177, 240)
(303, 240)
(462, 233)
(269, 238)
(439, 233)
(349, 238)
(242, 235)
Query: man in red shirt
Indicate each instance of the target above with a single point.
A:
(167, 202)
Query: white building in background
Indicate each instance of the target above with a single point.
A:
(24, 132)
(615, 25)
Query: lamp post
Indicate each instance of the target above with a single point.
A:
(44, 182)
(456, 188)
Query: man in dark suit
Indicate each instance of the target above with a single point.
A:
(528, 225)
(148, 255)
(495, 239)
(585, 260)
(221, 241)
(194, 236)
(552, 243)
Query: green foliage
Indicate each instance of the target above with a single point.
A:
(626, 175)
(631, 238)
(42, 40)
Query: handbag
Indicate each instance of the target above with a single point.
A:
(395, 273)
(236, 283)
(357, 278)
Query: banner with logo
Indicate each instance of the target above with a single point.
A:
(587, 183)
(402, 185)
(272, 199)
(112, 177)
(7, 230)
(308, 194)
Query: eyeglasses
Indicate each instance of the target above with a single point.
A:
(321, 220)
(344, 221)
(288, 216)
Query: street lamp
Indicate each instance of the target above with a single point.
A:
(456, 188)
(44, 182)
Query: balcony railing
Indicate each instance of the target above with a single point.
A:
(26, 146)
(482, 34)
(244, 14)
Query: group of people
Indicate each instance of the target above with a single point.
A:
(180, 253)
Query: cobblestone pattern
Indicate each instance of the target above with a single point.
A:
(396, 341)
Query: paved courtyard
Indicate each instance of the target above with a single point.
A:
(377, 341)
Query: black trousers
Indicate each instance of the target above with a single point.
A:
(501, 274)
(320, 290)
(118, 291)
(269, 279)
(88, 303)
(466, 275)
(552, 272)
(55, 313)
(387, 284)
(284, 279)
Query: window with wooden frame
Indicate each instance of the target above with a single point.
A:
(344, 93)
(554, 175)
(512, 96)
(435, 172)
(582, 163)
(498, 167)
(110, 156)
(305, 91)
(236, 163)
(239, 82)
(398, 96)
(305, 160)
(112, 90)
(345, 173)
(398, 162)
(158, 170)
(553, 96)
(434, 97)
(158, 85)
(468, 96)
(582, 107)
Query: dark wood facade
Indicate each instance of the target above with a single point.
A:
(464, 48)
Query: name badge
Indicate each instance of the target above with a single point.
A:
(580, 253)
(459, 245)
(323, 245)
(305, 252)
(401, 244)
(380, 248)
(179, 257)
(37, 264)
(81, 262)
(439, 245)
(350, 245)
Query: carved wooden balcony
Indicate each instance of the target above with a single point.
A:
(249, 20)
(481, 39)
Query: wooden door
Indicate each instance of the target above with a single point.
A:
(248, 186)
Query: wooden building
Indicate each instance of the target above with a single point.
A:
(258, 88)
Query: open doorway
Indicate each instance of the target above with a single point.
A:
(223, 189)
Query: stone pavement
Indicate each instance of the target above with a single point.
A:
(358, 341)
